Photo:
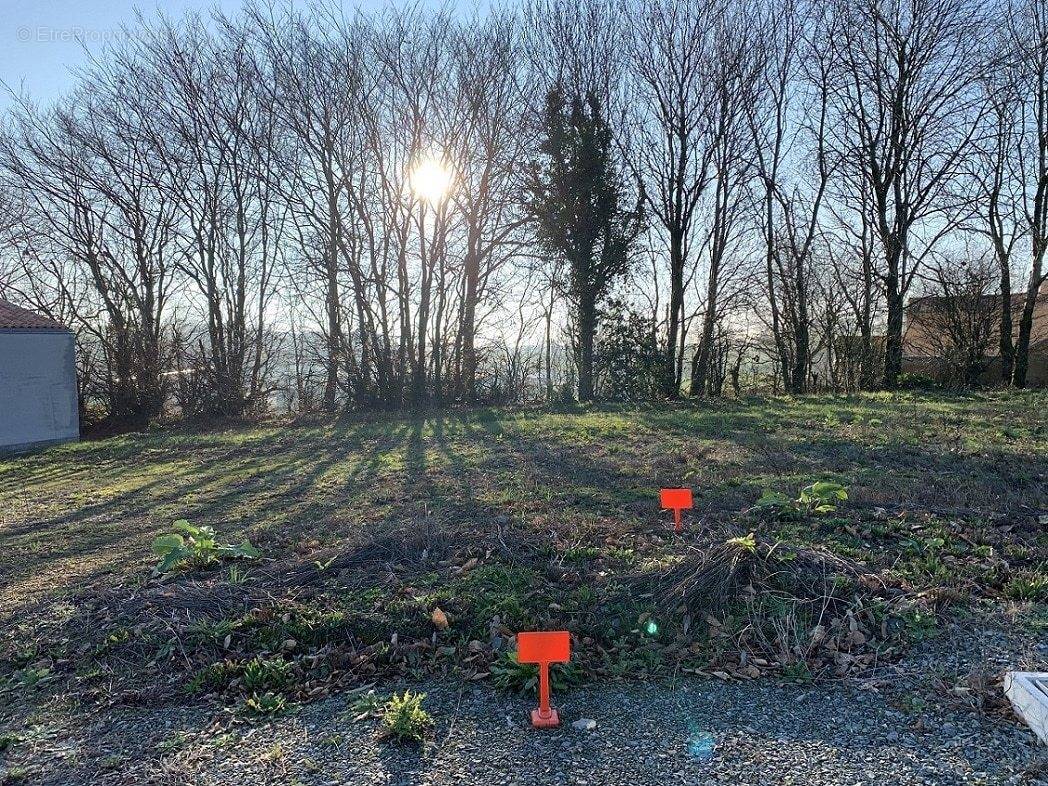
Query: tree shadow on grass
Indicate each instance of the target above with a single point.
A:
(263, 491)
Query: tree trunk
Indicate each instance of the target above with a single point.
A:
(467, 327)
(1022, 345)
(331, 304)
(1007, 348)
(893, 331)
(893, 338)
(671, 379)
(700, 364)
(587, 336)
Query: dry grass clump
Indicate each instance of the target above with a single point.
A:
(802, 610)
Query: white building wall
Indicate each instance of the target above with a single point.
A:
(38, 401)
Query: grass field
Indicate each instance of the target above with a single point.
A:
(502, 520)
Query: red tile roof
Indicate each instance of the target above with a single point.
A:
(13, 317)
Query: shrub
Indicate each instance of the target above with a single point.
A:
(914, 380)
(404, 719)
(628, 361)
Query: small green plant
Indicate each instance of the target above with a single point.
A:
(1028, 585)
(214, 677)
(912, 703)
(368, 705)
(192, 546)
(322, 566)
(404, 719)
(797, 671)
(6, 741)
(747, 543)
(13, 776)
(266, 674)
(268, 703)
(31, 676)
(509, 674)
(920, 625)
(775, 500)
(174, 742)
(237, 575)
(822, 496)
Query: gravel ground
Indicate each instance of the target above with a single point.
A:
(765, 732)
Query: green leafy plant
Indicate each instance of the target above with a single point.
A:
(368, 705)
(266, 674)
(31, 676)
(404, 718)
(192, 546)
(1028, 585)
(822, 496)
(919, 624)
(265, 704)
(215, 676)
(747, 543)
(797, 671)
(509, 674)
(773, 499)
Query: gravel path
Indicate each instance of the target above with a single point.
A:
(764, 732)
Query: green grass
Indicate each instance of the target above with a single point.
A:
(375, 518)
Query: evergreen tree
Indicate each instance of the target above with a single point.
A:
(577, 200)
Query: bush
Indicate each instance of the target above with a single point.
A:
(404, 719)
(915, 380)
(627, 363)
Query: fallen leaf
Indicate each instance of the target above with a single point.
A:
(440, 619)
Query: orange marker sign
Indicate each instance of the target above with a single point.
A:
(675, 500)
(544, 648)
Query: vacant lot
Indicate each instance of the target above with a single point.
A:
(409, 548)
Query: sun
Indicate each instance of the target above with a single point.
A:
(431, 180)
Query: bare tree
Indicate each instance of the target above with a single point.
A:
(797, 70)
(998, 185)
(904, 96)
(490, 146)
(671, 58)
(88, 191)
(954, 324)
(1027, 34)
(734, 84)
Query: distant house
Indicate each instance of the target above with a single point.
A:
(38, 393)
(956, 339)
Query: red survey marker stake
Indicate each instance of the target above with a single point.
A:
(675, 500)
(544, 648)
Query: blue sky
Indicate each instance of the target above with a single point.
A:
(41, 40)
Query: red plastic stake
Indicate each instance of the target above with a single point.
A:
(675, 500)
(544, 648)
